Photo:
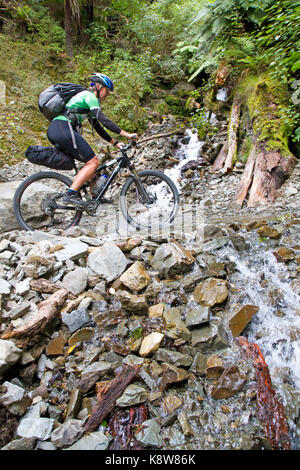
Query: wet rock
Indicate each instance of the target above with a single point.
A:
(74, 404)
(56, 346)
(212, 291)
(150, 344)
(135, 277)
(174, 325)
(229, 383)
(38, 428)
(266, 231)
(197, 316)
(92, 373)
(67, 433)
(93, 441)
(15, 398)
(170, 403)
(149, 434)
(199, 364)
(75, 281)
(100, 261)
(185, 425)
(156, 311)
(241, 318)
(132, 395)
(284, 254)
(9, 354)
(173, 357)
(76, 319)
(133, 303)
(214, 367)
(172, 258)
(171, 374)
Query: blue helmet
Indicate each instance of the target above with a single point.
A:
(103, 79)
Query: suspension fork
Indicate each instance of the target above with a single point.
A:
(140, 185)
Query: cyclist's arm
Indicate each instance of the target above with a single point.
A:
(100, 130)
(97, 114)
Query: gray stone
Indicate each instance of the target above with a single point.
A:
(100, 261)
(93, 441)
(72, 251)
(172, 258)
(197, 316)
(132, 395)
(44, 445)
(92, 373)
(39, 428)
(18, 311)
(76, 319)
(5, 287)
(75, 281)
(68, 433)
(12, 394)
(174, 357)
(25, 443)
(149, 434)
(23, 287)
(9, 354)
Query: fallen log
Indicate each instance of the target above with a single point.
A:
(219, 161)
(47, 310)
(270, 162)
(179, 131)
(232, 134)
(108, 394)
(270, 409)
(44, 286)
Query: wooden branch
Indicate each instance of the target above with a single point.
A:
(219, 161)
(47, 310)
(232, 134)
(180, 131)
(108, 394)
(247, 177)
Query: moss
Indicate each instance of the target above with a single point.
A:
(266, 99)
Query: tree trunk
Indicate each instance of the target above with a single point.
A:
(232, 134)
(270, 161)
(68, 28)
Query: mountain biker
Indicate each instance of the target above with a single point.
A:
(64, 131)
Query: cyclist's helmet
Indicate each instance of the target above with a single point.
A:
(103, 79)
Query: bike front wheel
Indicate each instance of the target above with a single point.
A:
(37, 203)
(149, 201)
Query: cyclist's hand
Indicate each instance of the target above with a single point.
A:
(132, 136)
(120, 145)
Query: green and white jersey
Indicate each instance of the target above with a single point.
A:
(83, 100)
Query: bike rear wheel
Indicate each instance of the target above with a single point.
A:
(37, 203)
(155, 207)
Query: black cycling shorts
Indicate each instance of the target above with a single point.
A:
(59, 133)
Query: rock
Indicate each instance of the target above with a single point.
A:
(172, 258)
(156, 311)
(150, 344)
(212, 291)
(185, 425)
(7, 217)
(76, 319)
(56, 346)
(173, 357)
(132, 395)
(171, 374)
(5, 287)
(149, 434)
(93, 441)
(199, 364)
(72, 251)
(18, 311)
(15, 398)
(174, 325)
(23, 287)
(214, 367)
(9, 354)
(67, 433)
(80, 336)
(135, 277)
(170, 403)
(241, 318)
(100, 261)
(266, 231)
(229, 383)
(25, 443)
(133, 303)
(38, 428)
(92, 373)
(197, 316)
(75, 281)
(284, 254)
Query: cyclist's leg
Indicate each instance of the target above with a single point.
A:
(59, 133)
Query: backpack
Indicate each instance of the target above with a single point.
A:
(50, 157)
(52, 101)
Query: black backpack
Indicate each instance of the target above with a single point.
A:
(52, 101)
(50, 157)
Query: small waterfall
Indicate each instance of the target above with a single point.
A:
(262, 281)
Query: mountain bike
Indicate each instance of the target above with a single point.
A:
(148, 197)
